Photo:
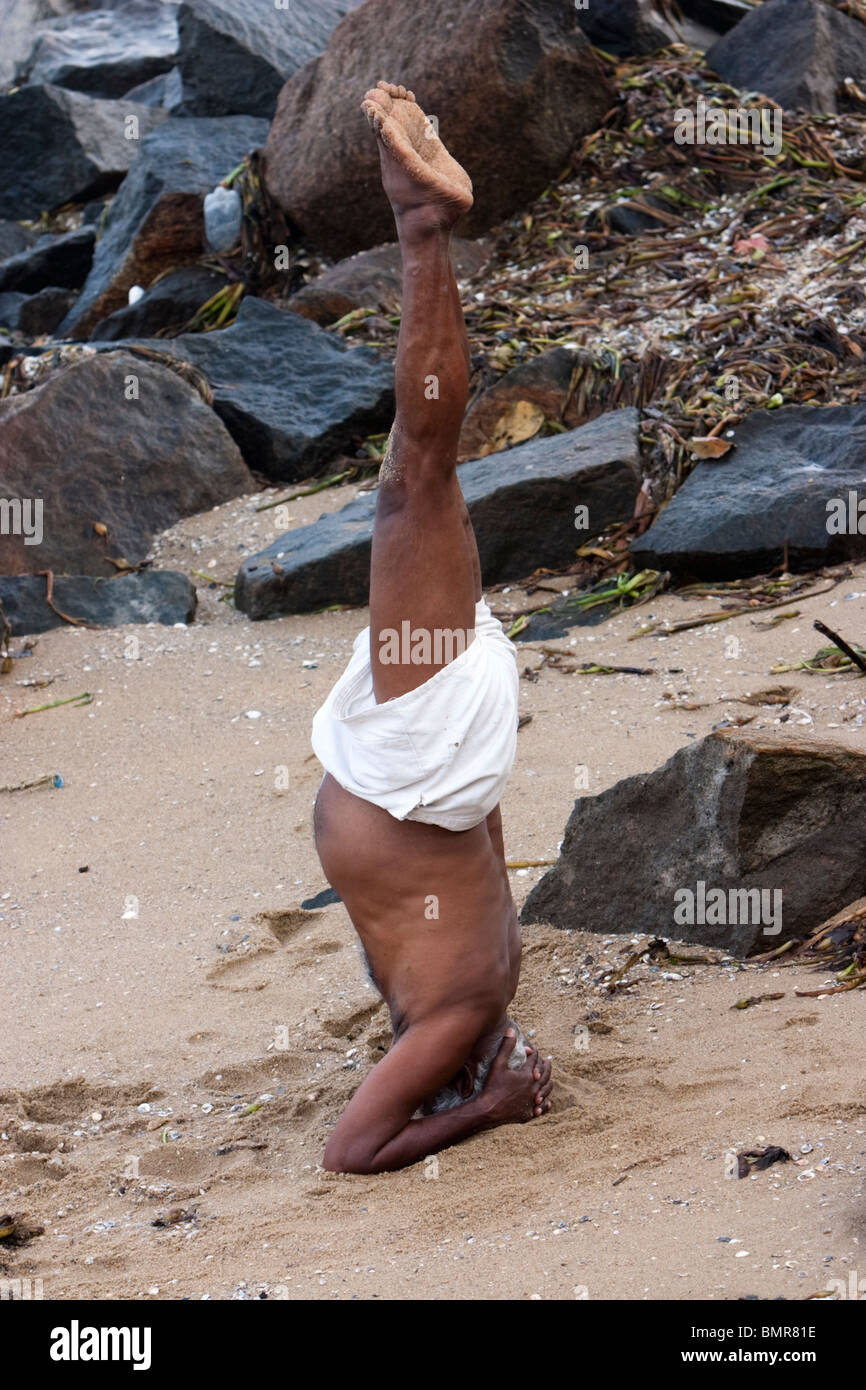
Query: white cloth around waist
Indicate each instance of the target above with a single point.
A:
(441, 753)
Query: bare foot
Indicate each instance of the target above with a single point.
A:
(418, 173)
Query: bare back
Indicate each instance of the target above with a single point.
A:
(422, 898)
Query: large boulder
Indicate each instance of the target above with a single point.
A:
(291, 394)
(168, 304)
(106, 52)
(235, 55)
(798, 52)
(781, 492)
(373, 280)
(52, 260)
(156, 221)
(149, 596)
(513, 84)
(59, 147)
(522, 504)
(115, 443)
(18, 24)
(673, 852)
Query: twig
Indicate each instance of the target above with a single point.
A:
(841, 644)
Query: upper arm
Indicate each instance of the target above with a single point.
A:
(421, 1062)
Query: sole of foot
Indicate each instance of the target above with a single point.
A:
(418, 174)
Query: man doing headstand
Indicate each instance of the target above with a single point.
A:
(419, 734)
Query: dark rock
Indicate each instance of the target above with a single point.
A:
(35, 314)
(798, 52)
(485, 70)
(151, 596)
(165, 91)
(373, 279)
(43, 312)
(169, 304)
(15, 238)
(734, 517)
(291, 394)
(629, 218)
(625, 27)
(52, 260)
(733, 811)
(59, 147)
(106, 52)
(91, 454)
(11, 304)
(235, 55)
(7, 349)
(521, 503)
(716, 15)
(631, 27)
(326, 898)
(156, 220)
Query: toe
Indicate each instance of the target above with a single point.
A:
(380, 96)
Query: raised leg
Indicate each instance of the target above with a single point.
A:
(425, 577)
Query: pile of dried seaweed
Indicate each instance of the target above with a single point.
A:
(839, 945)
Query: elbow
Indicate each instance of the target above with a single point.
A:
(347, 1158)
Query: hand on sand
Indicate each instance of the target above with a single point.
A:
(513, 1097)
(417, 170)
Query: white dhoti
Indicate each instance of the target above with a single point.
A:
(441, 753)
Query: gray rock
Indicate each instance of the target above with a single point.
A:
(151, 596)
(798, 52)
(156, 220)
(734, 811)
(290, 394)
(165, 91)
(106, 52)
(18, 23)
(169, 304)
(223, 216)
(522, 507)
(734, 517)
(60, 147)
(53, 260)
(235, 55)
(113, 441)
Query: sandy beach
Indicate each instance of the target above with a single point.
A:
(179, 1034)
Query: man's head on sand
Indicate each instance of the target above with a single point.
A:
(470, 1079)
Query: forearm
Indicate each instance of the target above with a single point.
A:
(416, 1140)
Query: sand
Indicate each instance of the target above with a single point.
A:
(178, 1036)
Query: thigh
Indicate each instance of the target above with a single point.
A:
(422, 583)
